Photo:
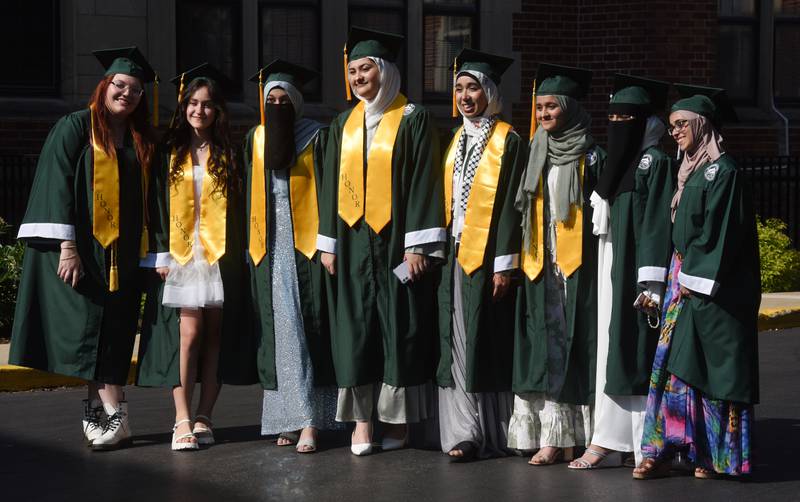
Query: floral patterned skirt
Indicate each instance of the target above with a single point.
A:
(716, 432)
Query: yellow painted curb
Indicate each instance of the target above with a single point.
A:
(19, 378)
(778, 318)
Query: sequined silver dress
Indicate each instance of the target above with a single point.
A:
(296, 403)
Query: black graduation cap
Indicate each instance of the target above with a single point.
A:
(281, 70)
(126, 60)
(634, 90)
(204, 70)
(562, 80)
(491, 65)
(716, 106)
(363, 42)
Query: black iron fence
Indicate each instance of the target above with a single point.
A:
(774, 182)
(16, 178)
(775, 186)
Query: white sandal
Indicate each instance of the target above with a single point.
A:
(177, 444)
(607, 459)
(202, 431)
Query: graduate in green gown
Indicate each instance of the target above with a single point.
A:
(631, 219)
(79, 295)
(194, 325)
(482, 168)
(283, 172)
(381, 210)
(704, 382)
(556, 321)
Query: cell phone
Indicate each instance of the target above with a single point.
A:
(645, 304)
(402, 273)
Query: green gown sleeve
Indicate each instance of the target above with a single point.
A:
(51, 207)
(328, 203)
(655, 240)
(704, 260)
(509, 231)
(158, 213)
(424, 209)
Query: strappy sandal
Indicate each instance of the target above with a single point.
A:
(703, 473)
(468, 452)
(654, 469)
(202, 430)
(581, 464)
(291, 436)
(561, 455)
(177, 444)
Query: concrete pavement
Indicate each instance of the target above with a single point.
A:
(777, 311)
(42, 457)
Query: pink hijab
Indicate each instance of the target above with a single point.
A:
(707, 149)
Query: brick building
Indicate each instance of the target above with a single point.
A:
(747, 46)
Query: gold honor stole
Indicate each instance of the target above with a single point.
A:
(480, 205)
(303, 197)
(213, 208)
(105, 204)
(569, 237)
(351, 195)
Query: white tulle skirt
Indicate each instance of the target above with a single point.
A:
(194, 285)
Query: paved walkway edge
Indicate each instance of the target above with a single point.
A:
(17, 378)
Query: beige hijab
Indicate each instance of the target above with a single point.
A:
(708, 149)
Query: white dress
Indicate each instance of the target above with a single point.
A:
(197, 284)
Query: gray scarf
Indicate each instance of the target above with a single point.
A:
(563, 148)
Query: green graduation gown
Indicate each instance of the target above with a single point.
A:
(86, 332)
(715, 342)
(311, 284)
(530, 370)
(159, 345)
(642, 245)
(489, 324)
(383, 330)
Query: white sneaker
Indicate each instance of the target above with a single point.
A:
(116, 432)
(93, 418)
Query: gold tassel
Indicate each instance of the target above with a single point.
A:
(261, 95)
(533, 111)
(180, 88)
(113, 274)
(155, 102)
(346, 79)
(455, 107)
(144, 244)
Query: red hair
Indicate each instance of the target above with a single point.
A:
(143, 136)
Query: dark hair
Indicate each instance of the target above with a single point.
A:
(141, 131)
(221, 163)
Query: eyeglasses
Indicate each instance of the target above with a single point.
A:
(122, 86)
(678, 126)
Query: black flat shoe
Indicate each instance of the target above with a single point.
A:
(468, 452)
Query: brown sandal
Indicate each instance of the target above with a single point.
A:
(703, 473)
(653, 469)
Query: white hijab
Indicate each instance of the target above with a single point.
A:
(473, 126)
(390, 87)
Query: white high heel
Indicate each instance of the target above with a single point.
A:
(361, 449)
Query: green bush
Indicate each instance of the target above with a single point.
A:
(10, 271)
(780, 264)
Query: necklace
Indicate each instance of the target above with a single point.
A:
(202, 147)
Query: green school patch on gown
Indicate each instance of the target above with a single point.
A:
(530, 373)
(383, 330)
(311, 278)
(715, 342)
(642, 245)
(489, 324)
(86, 332)
(159, 346)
